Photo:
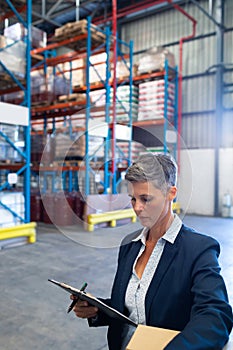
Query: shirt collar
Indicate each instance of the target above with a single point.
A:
(170, 235)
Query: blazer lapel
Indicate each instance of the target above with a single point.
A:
(127, 269)
(170, 250)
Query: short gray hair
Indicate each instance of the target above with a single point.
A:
(159, 169)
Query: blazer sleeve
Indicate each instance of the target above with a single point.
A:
(101, 319)
(211, 315)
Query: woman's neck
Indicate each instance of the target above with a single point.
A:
(159, 229)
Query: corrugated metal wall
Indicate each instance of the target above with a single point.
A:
(199, 55)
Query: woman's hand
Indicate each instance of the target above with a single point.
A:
(83, 310)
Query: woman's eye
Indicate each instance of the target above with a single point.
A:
(146, 200)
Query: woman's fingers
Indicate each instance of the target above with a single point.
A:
(83, 310)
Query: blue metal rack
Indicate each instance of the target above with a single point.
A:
(156, 131)
(174, 122)
(117, 181)
(24, 169)
(110, 177)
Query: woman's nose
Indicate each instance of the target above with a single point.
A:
(138, 206)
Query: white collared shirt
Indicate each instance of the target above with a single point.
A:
(137, 288)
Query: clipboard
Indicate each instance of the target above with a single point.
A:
(95, 302)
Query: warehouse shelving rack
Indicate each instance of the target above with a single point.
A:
(14, 8)
(168, 75)
(69, 108)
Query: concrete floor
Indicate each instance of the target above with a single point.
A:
(33, 311)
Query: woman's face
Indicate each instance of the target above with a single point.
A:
(149, 203)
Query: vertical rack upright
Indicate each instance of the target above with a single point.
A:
(110, 180)
(24, 169)
(121, 44)
(174, 122)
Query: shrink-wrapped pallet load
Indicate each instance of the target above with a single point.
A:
(154, 60)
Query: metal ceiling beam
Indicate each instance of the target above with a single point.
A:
(77, 5)
(207, 14)
(53, 8)
(45, 19)
(131, 11)
(99, 5)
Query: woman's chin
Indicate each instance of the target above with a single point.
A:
(145, 222)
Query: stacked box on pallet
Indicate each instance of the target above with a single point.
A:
(152, 100)
(154, 60)
(77, 69)
(45, 88)
(42, 87)
(122, 103)
(122, 69)
(42, 149)
(18, 31)
(14, 97)
(97, 71)
(67, 148)
(15, 202)
(16, 135)
(96, 148)
(12, 55)
(98, 98)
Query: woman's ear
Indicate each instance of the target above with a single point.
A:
(172, 193)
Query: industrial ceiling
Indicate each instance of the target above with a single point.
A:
(49, 15)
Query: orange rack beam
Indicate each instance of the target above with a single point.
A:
(58, 106)
(58, 44)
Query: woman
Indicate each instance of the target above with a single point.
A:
(168, 275)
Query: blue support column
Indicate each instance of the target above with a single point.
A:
(27, 176)
(24, 170)
(110, 177)
(129, 111)
(130, 98)
(107, 112)
(88, 106)
(165, 107)
(176, 110)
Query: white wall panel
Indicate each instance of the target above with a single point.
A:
(198, 131)
(228, 13)
(227, 130)
(199, 55)
(199, 95)
(196, 180)
(197, 172)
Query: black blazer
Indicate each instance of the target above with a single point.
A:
(187, 293)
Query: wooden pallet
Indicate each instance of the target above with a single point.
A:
(73, 29)
(40, 103)
(72, 97)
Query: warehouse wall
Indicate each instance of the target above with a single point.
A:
(199, 55)
(199, 95)
(196, 180)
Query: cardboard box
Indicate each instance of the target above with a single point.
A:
(17, 32)
(150, 338)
